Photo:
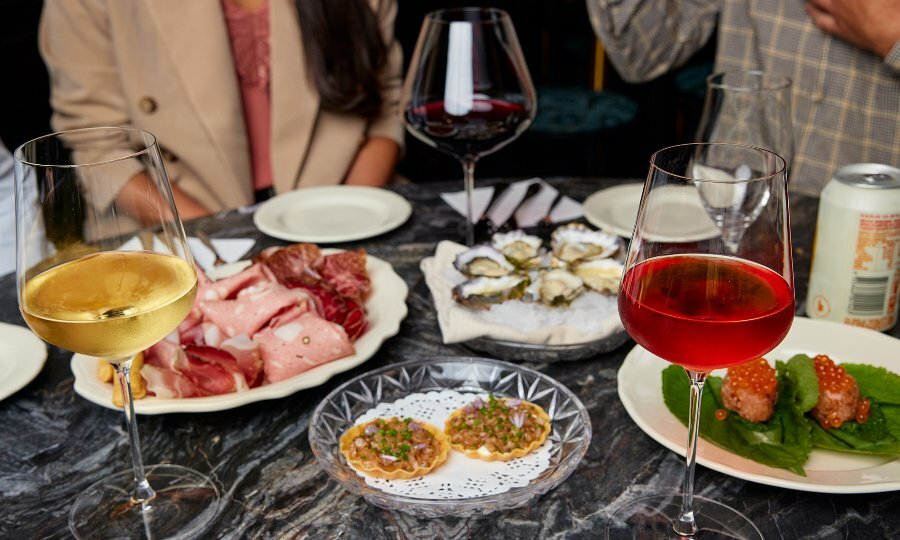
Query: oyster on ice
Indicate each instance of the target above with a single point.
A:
(576, 242)
(520, 248)
(601, 275)
(482, 292)
(483, 261)
(559, 287)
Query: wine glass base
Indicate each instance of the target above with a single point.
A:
(186, 502)
(652, 517)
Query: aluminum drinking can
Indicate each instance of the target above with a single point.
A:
(855, 274)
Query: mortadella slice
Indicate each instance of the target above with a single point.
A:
(300, 345)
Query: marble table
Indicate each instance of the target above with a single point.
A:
(55, 443)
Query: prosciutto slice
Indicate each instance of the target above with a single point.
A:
(300, 345)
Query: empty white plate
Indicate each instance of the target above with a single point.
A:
(615, 210)
(332, 214)
(22, 355)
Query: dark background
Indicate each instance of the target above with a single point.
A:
(559, 46)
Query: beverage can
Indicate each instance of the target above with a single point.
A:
(855, 274)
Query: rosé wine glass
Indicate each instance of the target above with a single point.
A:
(706, 305)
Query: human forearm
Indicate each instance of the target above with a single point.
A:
(140, 199)
(374, 163)
(646, 38)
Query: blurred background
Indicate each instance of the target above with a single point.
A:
(589, 122)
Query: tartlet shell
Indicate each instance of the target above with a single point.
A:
(443, 444)
(503, 456)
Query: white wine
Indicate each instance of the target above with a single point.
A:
(112, 304)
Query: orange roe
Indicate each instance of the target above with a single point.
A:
(755, 375)
(721, 415)
(863, 410)
(832, 377)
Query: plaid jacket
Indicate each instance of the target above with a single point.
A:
(846, 102)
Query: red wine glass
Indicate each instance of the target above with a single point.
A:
(706, 305)
(468, 91)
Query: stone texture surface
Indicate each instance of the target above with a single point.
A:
(54, 443)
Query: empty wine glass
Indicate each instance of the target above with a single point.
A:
(83, 286)
(705, 305)
(468, 91)
(751, 108)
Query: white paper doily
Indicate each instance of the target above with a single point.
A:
(460, 477)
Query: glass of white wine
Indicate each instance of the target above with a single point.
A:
(103, 269)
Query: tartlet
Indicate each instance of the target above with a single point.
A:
(394, 448)
(497, 429)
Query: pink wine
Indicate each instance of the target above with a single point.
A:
(487, 126)
(705, 312)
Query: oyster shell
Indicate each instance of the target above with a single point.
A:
(601, 275)
(483, 261)
(518, 247)
(482, 292)
(559, 287)
(576, 242)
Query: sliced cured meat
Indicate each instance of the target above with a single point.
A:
(291, 263)
(338, 309)
(214, 371)
(253, 308)
(226, 288)
(346, 272)
(246, 353)
(300, 345)
(164, 383)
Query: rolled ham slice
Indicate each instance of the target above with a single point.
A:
(300, 345)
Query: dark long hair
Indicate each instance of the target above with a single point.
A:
(344, 52)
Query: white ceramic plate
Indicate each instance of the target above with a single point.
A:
(827, 472)
(332, 214)
(22, 355)
(385, 308)
(615, 210)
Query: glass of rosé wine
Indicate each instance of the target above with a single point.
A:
(706, 305)
(468, 91)
(103, 269)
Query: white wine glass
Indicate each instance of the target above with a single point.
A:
(83, 286)
(468, 92)
(705, 305)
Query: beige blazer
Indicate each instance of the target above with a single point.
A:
(166, 66)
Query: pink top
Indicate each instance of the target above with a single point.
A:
(249, 35)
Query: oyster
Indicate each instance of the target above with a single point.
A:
(559, 287)
(602, 275)
(483, 261)
(576, 242)
(482, 292)
(518, 247)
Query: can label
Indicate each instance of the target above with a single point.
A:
(855, 275)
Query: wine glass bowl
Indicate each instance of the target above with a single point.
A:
(751, 108)
(468, 91)
(709, 304)
(86, 283)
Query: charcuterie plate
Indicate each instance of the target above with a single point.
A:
(385, 309)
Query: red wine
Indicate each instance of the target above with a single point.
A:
(705, 312)
(486, 127)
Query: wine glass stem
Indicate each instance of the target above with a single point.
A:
(468, 164)
(142, 490)
(686, 524)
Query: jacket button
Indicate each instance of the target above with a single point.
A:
(147, 104)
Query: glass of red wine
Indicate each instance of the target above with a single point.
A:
(468, 91)
(706, 305)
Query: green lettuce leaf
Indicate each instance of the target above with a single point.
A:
(783, 441)
(799, 377)
(876, 383)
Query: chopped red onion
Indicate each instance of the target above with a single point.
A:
(420, 446)
(371, 429)
(414, 426)
(359, 442)
(387, 457)
(513, 402)
(518, 419)
(478, 403)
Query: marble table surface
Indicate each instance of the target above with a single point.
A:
(55, 443)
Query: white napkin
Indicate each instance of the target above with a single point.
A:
(591, 318)
(512, 201)
(230, 249)
(481, 198)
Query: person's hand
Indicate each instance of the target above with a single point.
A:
(873, 25)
